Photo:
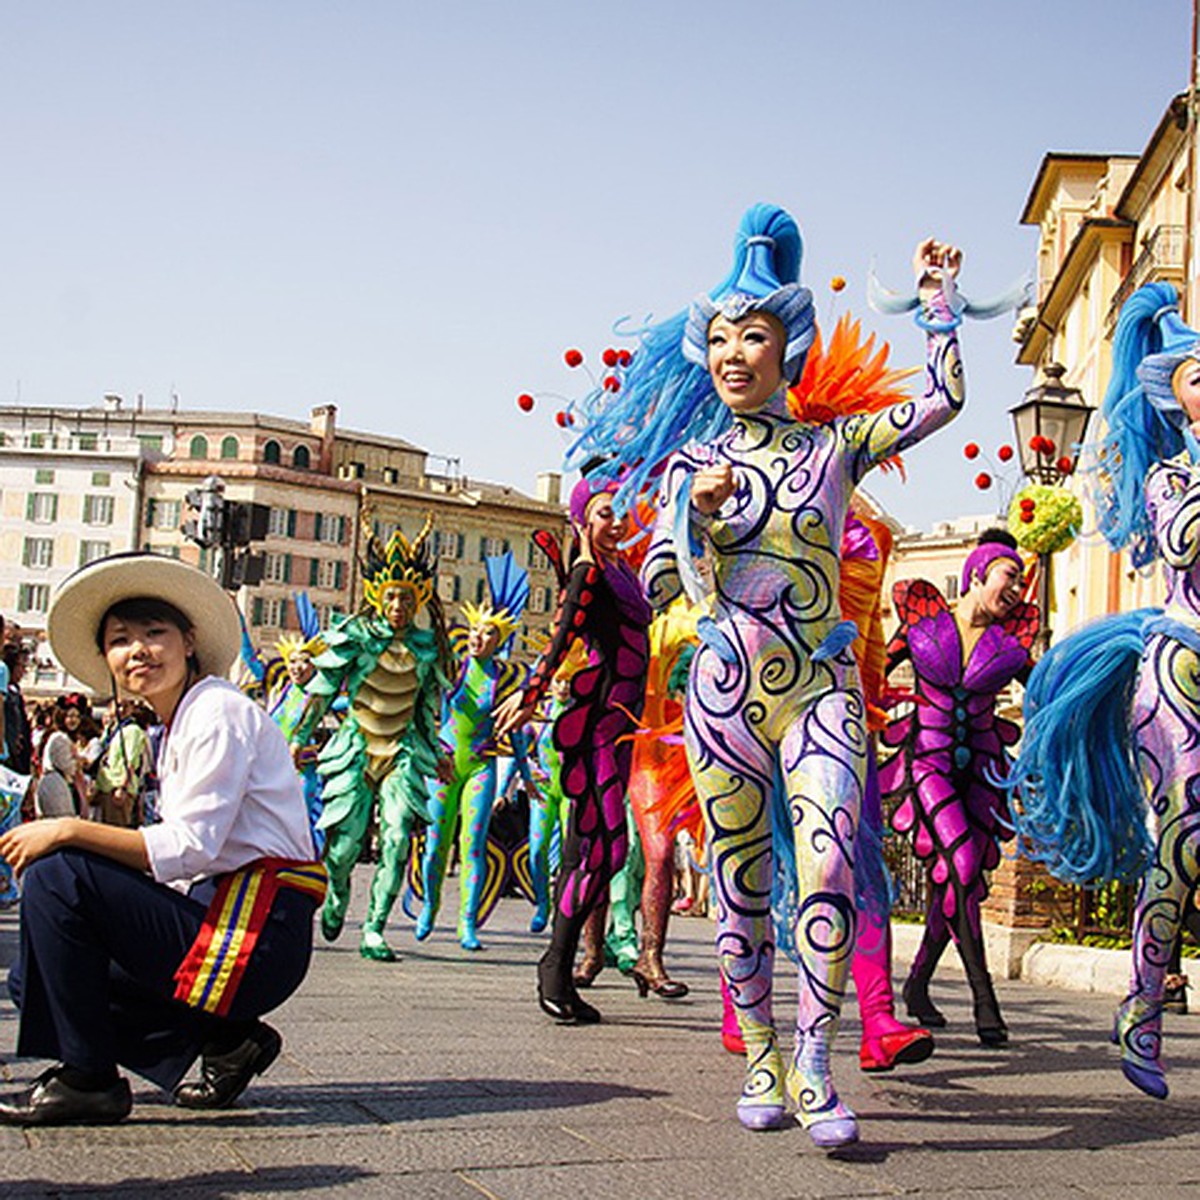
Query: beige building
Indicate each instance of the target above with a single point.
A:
(82, 483)
(1107, 224)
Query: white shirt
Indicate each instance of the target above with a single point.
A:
(229, 792)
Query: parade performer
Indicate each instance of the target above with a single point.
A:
(773, 693)
(283, 681)
(602, 604)
(385, 749)
(1107, 769)
(548, 806)
(146, 947)
(485, 680)
(950, 753)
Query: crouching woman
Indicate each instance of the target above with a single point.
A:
(147, 948)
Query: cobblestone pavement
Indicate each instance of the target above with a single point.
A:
(436, 1077)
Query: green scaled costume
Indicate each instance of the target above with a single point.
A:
(379, 759)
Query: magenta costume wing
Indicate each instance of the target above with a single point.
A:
(952, 744)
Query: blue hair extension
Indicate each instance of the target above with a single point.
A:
(1083, 808)
(664, 401)
(1139, 434)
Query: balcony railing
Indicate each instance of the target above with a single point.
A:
(1161, 258)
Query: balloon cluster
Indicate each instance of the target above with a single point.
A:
(985, 479)
(614, 360)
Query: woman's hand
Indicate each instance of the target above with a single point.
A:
(711, 487)
(934, 260)
(26, 843)
(512, 714)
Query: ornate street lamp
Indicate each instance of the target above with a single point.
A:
(1050, 423)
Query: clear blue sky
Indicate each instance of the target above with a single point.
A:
(410, 209)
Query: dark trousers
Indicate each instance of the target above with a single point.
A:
(100, 945)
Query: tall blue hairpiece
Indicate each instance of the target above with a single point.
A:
(508, 585)
(665, 400)
(306, 614)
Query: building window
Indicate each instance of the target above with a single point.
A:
(331, 530)
(383, 530)
(328, 614)
(391, 475)
(43, 475)
(277, 568)
(539, 600)
(329, 574)
(537, 557)
(270, 611)
(39, 553)
(301, 459)
(198, 447)
(151, 442)
(97, 510)
(101, 479)
(480, 590)
(950, 587)
(229, 447)
(41, 507)
(447, 545)
(33, 597)
(87, 441)
(90, 551)
(166, 514)
(37, 441)
(493, 546)
(277, 523)
(448, 588)
(271, 451)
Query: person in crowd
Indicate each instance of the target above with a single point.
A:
(146, 948)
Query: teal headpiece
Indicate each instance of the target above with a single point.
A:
(765, 278)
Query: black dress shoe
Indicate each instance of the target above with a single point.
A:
(224, 1077)
(50, 1101)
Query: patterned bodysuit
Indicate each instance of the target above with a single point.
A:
(605, 607)
(761, 707)
(949, 751)
(1166, 729)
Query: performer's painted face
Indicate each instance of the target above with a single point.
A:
(483, 640)
(560, 688)
(1001, 589)
(605, 528)
(149, 659)
(300, 668)
(745, 360)
(1186, 386)
(398, 606)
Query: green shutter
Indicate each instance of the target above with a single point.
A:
(318, 521)
(291, 522)
(256, 611)
(314, 569)
(150, 512)
(287, 568)
(29, 509)
(339, 575)
(54, 506)
(283, 609)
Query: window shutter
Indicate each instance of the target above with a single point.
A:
(53, 506)
(256, 611)
(461, 543)
(339, 574)
(291, 522)
(314, 570)
(341, 531)
(283, 611)
(318, 522)
(149, 512)
(29, 509)
(287, 568)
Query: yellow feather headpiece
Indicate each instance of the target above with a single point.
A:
(292, 644)
(405, 564)
(499, 619)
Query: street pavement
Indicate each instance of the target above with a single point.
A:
(437, 1077)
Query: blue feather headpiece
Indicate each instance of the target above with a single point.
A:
(508, 587)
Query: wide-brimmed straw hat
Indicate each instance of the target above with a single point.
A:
(83, 598)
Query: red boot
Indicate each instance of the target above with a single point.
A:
(731, 1033)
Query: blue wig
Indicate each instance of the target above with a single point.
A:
(664, 400)
(1145, 422)
(1083, 810)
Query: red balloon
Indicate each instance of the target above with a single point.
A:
(1028, 504)
(609, 357)
(1035, 443)
(624, 357)
(1027, 517)
(525, 402)
(561, 419)
(1065, 465)
(1004, 453)
(1048, 446)
(983, 481)
(612, 383)
(573, 358)
(971, 450)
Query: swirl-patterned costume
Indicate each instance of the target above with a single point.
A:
(763, 703)
(1109, 765)
(950, 749)
(604, 606)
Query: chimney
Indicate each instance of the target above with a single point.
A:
(112, 402)
(323, 423)
(549, 487)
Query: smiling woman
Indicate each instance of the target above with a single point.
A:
(142, 916)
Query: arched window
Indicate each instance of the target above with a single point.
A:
(271, 451)
(229, 447)
(199, 447)
(300, 458)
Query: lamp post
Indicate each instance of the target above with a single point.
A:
(1049, 425)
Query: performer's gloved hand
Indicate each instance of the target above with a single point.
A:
(711, 487)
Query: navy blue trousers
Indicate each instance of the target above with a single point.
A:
(100, 945)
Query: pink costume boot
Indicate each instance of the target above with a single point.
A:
(885, 1041)
(731, 1033)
